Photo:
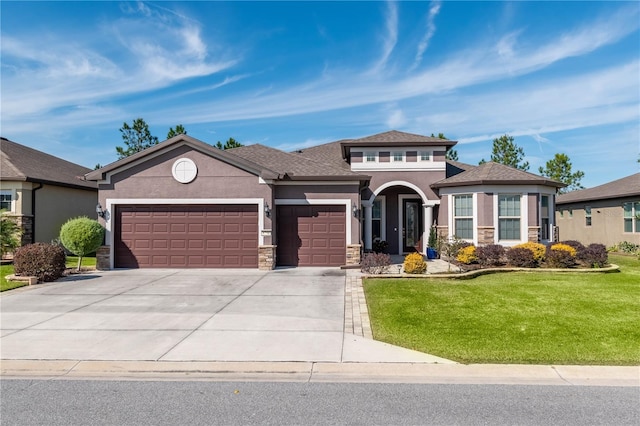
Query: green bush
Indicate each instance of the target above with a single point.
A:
(81, 236)
(414, 264)
(10, 234)
(45, 261)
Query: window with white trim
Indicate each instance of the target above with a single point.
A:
(370, 157)
(376, 219)
(425, 155)
(631, 216)
(509, 217)
(463, 216)
(6, 198)
(398, 156)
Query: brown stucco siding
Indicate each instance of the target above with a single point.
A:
(533, 201)
(56, 204)
(385, 157)
(439, 155)
(356, 157)
(422, 179)
(485, 209)
(412, 156)
(607, 222)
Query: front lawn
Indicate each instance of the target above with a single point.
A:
(526, 318)
(87, 262)
(8, 285)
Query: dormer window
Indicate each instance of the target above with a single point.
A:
(425, 155)
(398, 156)
(370, 157)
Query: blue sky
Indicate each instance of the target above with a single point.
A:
(558, 76)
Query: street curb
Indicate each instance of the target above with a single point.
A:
(322, 372)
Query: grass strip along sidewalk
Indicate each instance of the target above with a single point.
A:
(523, 318)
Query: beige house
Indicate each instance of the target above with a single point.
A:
(607, 214)
(42, 191)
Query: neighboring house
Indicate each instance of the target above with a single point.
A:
(184, 203)
(42, 191)
(607, 214)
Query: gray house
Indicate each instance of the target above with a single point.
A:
(184, 203)
(607, 214)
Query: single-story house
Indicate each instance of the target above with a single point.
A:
(185, 203)
(607, 214)
(42, 192)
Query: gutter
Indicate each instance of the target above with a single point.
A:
(33, 211)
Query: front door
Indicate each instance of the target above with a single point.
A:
(412, 225)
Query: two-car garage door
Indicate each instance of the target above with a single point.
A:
(179, 236)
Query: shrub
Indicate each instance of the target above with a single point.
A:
(521, 257)
(626, 247)
(490, 255)
(375, 263)
(561, 256)
(10, 234)
(45, 261)
(414, 264)
(577, 245)
(538, 250)
(81, 236)
(594, 256)
(379, 246)
(467, 255)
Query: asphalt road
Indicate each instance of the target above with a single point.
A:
(85, 402)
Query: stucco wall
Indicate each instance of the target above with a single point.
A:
(421, 179)
(607, 222)
(55, 205)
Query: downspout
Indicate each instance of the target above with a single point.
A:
(33, 212)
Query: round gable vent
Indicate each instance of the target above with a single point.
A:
(184, 170)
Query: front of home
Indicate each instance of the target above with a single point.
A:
(184, 203)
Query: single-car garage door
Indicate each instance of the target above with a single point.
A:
(179, 236)
(311, 235)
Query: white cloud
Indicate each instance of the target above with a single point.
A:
(391, 36)
(434, 8)
(396, 120)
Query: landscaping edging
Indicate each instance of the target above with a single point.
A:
(479, 272)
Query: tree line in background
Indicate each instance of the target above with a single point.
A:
(137, 137)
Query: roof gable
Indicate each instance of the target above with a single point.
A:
(21, 163)
(495, 173)
(394, 137)
(178, 141)
(626, 187)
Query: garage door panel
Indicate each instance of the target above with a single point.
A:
(311, 235)
(186, 236)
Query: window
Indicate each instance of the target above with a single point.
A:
(587, 216)
(509, 217)
(631, 217)
(544, 217)
(370, 157)
(463, 216)
(376, 219)
(425, 156)
(5, 200)
(398, 156)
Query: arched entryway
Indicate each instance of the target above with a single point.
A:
(399, 213)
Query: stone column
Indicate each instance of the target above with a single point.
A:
(368, 228)
(103, 255)
(266, 257)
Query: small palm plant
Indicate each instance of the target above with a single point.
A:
(10, 234)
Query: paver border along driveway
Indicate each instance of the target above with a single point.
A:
(185, 315)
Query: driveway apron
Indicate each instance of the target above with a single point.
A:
(179, 315)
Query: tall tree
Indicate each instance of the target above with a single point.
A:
(230, 143)
(179, 130)
(136, 138)
(452, 155)
(506, 151)
(559, 168)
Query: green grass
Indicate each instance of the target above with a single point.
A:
(8, 285)
(87, 262)
(526, 318)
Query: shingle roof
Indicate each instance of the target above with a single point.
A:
(328, 153)
(394, 137)
(224, 155)
(626, 187)
(21, 163)
(294, 166)
(495, 173)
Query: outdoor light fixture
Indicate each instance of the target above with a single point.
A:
(267, 210)
(101, 213)
(355, 211)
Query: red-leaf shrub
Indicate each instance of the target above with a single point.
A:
(45, 261)
(576, 245)
(560, 256)
(375, 263)
(594, 256)
(490, 255)
(521, 257)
